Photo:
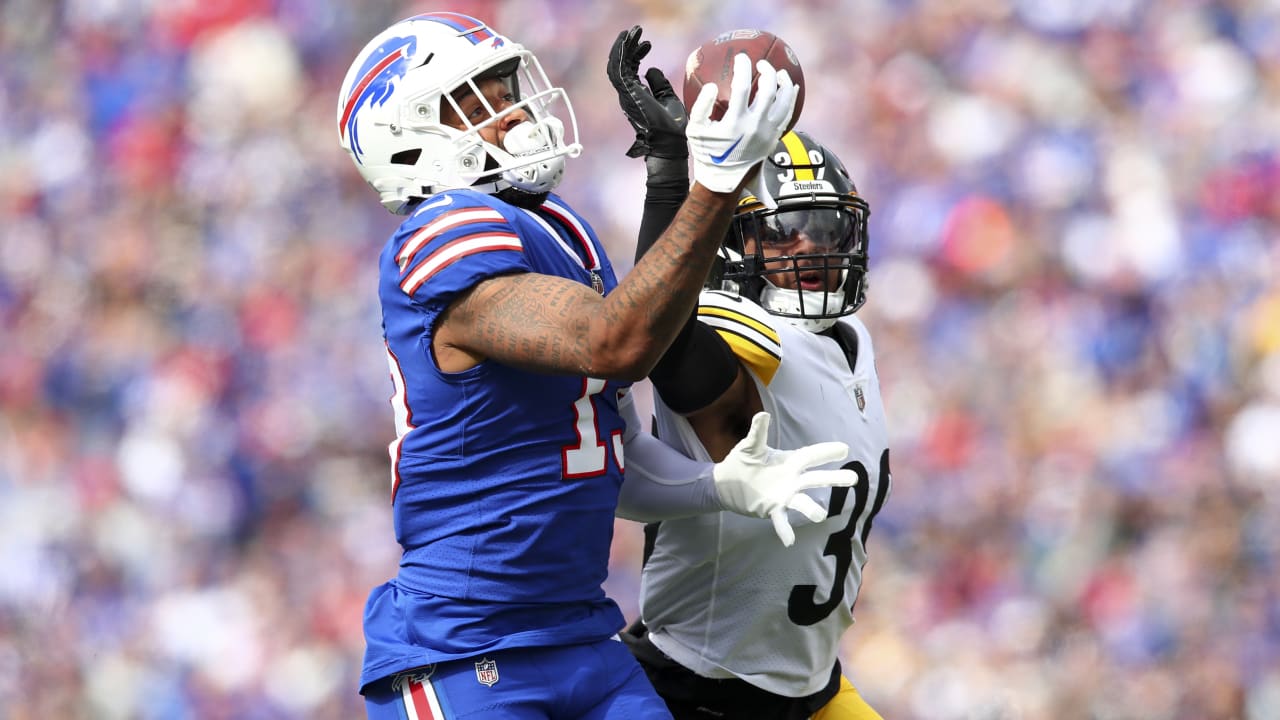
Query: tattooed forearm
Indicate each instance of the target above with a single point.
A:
(555, 325)
(524, 320)
(661, 290)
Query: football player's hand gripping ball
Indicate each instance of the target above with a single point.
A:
(725, 151)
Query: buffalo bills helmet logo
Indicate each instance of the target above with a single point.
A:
(378, 78)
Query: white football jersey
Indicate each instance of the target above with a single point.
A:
(720, 593)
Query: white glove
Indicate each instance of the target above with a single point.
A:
(758, 481)
(724, 151)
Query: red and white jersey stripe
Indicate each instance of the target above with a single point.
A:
(579, 231)
(420, 700)
(442, 224)
(455, 250)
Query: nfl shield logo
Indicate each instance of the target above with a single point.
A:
(597, 282)
(487, 672)
(861, 398)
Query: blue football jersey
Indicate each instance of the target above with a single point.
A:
(504, 481)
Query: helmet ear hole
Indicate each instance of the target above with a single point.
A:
(407, 157)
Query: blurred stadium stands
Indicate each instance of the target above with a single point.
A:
(1075, 298)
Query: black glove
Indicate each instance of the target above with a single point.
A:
(655, 112)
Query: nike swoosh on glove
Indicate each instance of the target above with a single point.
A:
(758, 481)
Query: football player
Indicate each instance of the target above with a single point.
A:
(733, 625)
(511, 346)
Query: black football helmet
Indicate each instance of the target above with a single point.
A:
(817, 236)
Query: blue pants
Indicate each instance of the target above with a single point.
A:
(598, 681)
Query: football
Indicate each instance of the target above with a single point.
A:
(712, 62)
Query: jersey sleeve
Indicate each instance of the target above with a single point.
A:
(660, 483)
(747, 328)
(452, 242)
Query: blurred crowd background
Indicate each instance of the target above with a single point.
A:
(1075, 298)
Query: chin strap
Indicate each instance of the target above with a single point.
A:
(788, 305)
(540, 138)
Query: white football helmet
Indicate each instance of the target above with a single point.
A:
(391, 100)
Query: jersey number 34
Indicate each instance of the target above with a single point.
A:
(803, 607)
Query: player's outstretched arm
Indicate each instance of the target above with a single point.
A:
(753, 480)
(551, 324)
(698, 368)
(659, 120)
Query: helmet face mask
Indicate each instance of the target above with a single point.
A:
(806, 260)
(412, 76)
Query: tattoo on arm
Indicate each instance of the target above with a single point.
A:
(552, 324)
(528, 320)
(675, 267)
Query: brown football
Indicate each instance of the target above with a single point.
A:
(712, 62)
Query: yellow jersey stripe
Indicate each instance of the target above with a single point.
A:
(732, 315)
(762, 361)
(754, 342)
